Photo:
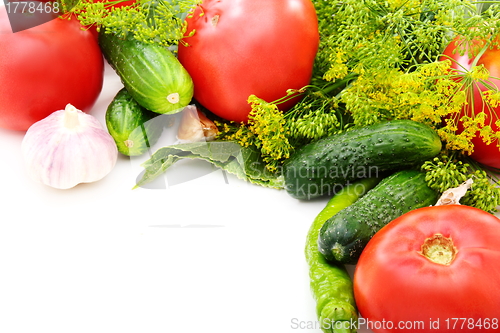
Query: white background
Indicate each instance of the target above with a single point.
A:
(211, 254)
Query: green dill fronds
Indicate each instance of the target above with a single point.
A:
(393, 46)
(425, 95)
(314, 125)
(383, 33)
(150, 21)
(448, 171)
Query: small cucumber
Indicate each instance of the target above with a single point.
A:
(344, 236)
(131, 125)
(319, 168)
(151, 73)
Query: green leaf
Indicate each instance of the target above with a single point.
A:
(243, 162)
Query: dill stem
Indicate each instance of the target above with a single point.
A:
(338, 83)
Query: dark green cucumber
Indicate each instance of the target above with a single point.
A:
(321, 167)
(133, 128)
(344, 236)
(151, 73)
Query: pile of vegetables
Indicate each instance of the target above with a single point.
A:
(357, 64)
(432, 268)
(382, 105)
(425, 61)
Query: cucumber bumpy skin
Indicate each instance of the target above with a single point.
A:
(151, 73)
(133, 128)
(344, 236)
(321, 167)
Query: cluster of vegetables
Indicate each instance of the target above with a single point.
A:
(383, 105)
(412, 253)
(49, 73)
(432, 268)
(64, 145)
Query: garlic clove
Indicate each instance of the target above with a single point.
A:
(195, 126)
(209, 129)
(67, 148)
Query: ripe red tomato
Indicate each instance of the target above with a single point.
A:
(240, 48)
(44, 68)
(397, 286)
(487, 154)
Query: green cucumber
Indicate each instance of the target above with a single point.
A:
(151, 73)
(132, 126)
(319, 168)
(344, 236)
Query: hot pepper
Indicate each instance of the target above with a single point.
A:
(331, 285)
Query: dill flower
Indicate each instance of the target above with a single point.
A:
(150, 21)
(492, 98)
(479, 73)
(338, 68)
(267, 123)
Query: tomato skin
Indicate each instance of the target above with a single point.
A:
(393, 282)
(240, 48)
(44, 68)
(487, 154)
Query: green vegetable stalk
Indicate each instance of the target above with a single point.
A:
(331, 285)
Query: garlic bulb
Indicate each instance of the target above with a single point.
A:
(67, 148)
(195, 126)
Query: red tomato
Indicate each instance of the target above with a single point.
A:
(240, 48)
(44, 68)
(487, 154)
(396, 285)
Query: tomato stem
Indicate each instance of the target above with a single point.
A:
(439, 249)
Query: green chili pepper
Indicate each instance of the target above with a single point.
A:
(331, 285)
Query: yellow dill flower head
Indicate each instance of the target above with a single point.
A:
(267, 125)
(492, 97)
(338, 68)
(408, 82)
(426, 111)
(436, 68)
(487, 134)
(479, 73)
(336, 71)
(448, 87)
(456, 141)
